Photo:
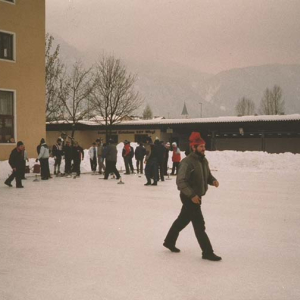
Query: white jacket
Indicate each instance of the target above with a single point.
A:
(44, 152)
(91, 152)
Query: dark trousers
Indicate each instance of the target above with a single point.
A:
(130, 164)
(175, 168)
(151, 170)
(161, 171)
(139, 165)
(57, 163)
(76, 166)
(68, 163)
(111, 168)
(45, 171)
(190, 212)
(126, 162)
(93, 164)
(15, 175)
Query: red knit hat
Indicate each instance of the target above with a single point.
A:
(196, 139)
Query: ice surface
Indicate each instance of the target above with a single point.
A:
(91, 239)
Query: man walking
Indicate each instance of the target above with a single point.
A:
(16, 161)
(192, 180)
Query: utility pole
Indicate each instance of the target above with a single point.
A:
(200, 109)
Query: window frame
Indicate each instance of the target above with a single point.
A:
(6, 1)
(14, 46)
(14, 115)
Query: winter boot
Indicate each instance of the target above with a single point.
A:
(171, 247)
(7, 183)
(211, 256)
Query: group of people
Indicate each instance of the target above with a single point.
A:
(193, 175)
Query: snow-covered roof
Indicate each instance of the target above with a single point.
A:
(230, 119)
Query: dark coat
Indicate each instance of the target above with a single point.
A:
(77, 153)
(194, 176)
(16, 159)
(68, 152)
(56, 152)
(140, 152)
(111, 154)
(160, 152)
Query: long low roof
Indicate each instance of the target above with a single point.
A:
(233, 119)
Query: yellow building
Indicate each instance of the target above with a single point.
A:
(22, 74)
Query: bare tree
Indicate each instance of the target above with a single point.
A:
(147, 113)
(75, 90)
(272, 102)
(114, 96)
(245, 107)
(54, 68)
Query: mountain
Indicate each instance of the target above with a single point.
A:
(166, 86)
(218, 93)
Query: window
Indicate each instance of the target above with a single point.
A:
(6, 46)
(7, 131)
(140, 138)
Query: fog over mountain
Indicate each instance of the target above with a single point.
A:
(166, 86)
(193, 51)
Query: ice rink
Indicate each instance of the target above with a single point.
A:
(91, 239)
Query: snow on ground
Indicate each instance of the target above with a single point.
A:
(90, 239)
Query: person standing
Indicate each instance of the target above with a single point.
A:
(57, 153)
(44, 160)
(111, 159)
(130, 158)
(100, 147)
(151, 161)
(139, 154)
(176, 158)
(166, 158)
(93, 157)
(25, 156)
(67, 150)
(78, 156)
(126, 156)
(160, 160)
(16, 161)
(192, 181)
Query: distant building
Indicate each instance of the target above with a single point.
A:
(22, 74)
(273, 134)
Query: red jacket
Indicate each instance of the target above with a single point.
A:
(176, 155)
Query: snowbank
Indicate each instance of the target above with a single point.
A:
(219, 160)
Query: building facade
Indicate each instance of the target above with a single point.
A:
(273, 134)
(22, 74)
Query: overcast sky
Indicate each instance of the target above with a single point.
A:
(208, 35)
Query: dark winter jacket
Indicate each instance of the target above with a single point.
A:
(68, 152)
(194, 176)
(77, 153)
(131, 152)
(16, 159)
(161, 152)
(111, 154)
(57, 150)
(154, 152)
(140, 152)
